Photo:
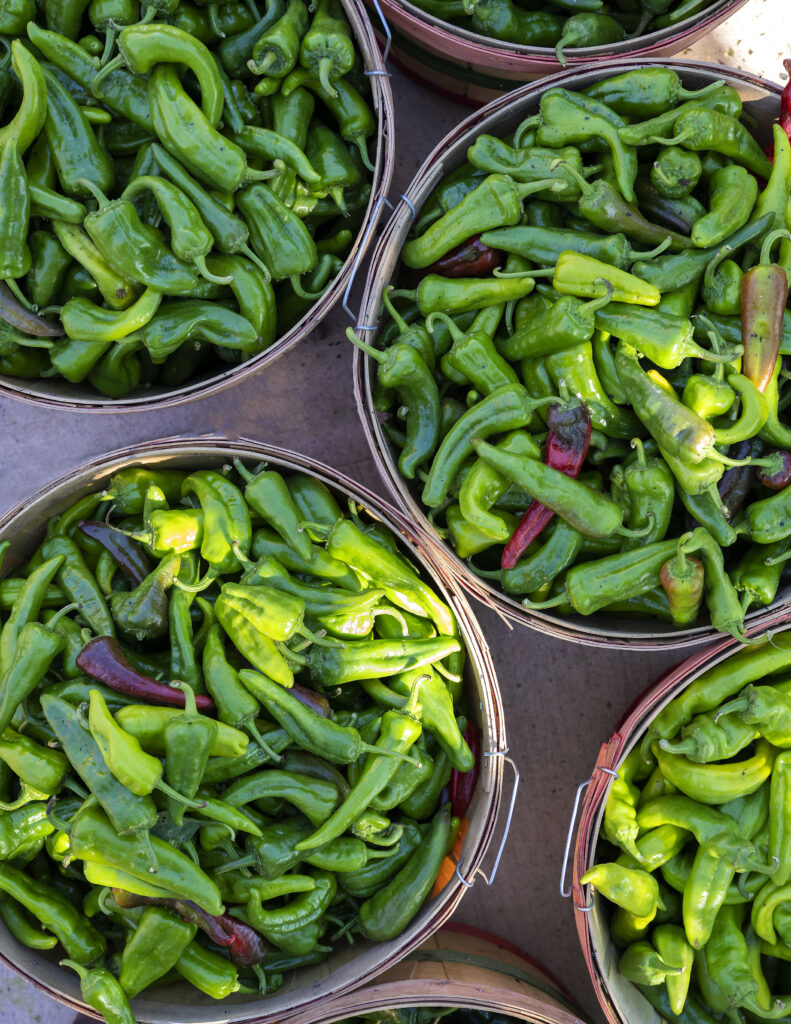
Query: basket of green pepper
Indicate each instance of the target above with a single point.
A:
(476, 50)
(216, 780)
(574, 387)
(190, 187)
(681, 865)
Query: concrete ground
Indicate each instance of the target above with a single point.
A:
(568, 701)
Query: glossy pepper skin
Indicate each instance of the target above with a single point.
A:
(79, 937)
(30, 117)
(697, 128)
(496, 202)
(26, 606)
(136, 249)
(633, 890)
(402, 368)
(153, 949)
(190, 239)
(649, 488)
(102, 658)
(717, 784)
(592, 513)
(484, 486)
(569, 118)
(226, 518)
(79, 585)
(129, 814)
(15, 205)
(604, 206)
(278, 236)
(125, 552)
(184, 130)
(733, 192)
(276, 51)
(370, 659)
(711, 827)
(245, 627)
(645, 92)
(567, 322)
(592, 586)
(143, 46)
(189, 737)
(588, 29)
(326, 49)
(399, 731)
(502, 19)
(385, 915)
(682, 580)
(764, 292)
(336, 743)
(506, 408)
(675, 427)
(93, 838)
(36, 648)
(620, 810)
(566, 448)
(545, 243)
(143, 612)
(75, 149)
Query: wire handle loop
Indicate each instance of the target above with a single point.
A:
(388, 37)
(469, 882)
(564, 892)
(380, 202)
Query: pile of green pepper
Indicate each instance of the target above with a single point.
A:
(592, 340)
(179, 183)
(695, 847)
(228, 711)
(563, 24)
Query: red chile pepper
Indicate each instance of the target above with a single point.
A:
(245, 946)
(129, 556)
(462, 784)
(103, 659)
(764, 297)
(780, 480)
(566, 448)
(187, 910)
(469, 259)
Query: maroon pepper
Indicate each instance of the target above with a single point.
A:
(784, 118)
(736, 483)
(103, 659)
(213, 926)
(566, 448)
(469, 259)
(245, 946)
(128, 555)
(317, 703)
(462, 784)
(782, 478)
